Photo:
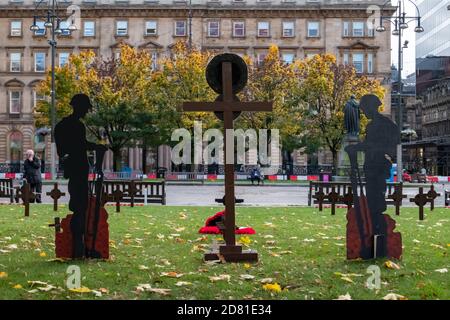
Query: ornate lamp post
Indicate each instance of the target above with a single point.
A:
(401, 21)
(47, 11)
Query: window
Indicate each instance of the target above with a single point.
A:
(89, 29)
(346, 56)
(15, 147)
(288, 58)
(358, 62)
(213, 29)
(14, 102)
(180, 28)
(39, 62)
(37, 98)
(16, 28)
(311, 55)
(122, 28)
(346, 29)
(263, 29)
(151, 28)
(288, 29)
(313, 29)
(63, 58)
(370, 63)
(154, 60)
(64, 26)
(15, 61)
(260, 57)
(358, 29)
(238, 29)
(42, 30)
(370, 29)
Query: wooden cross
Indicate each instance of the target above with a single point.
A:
(333, 197)
(116, 196)
(27, 196)
(55, 194)
(347, 199)
(320, 196)
(432, 195)
(397, 197)
(421, 199)
(228, 105)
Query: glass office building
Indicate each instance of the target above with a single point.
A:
(436, 21)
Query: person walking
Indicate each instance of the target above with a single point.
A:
(32, 173)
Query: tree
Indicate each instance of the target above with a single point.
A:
(276, 81)
(117, 87)
(324, 88)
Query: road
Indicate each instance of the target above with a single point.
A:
(268, 195)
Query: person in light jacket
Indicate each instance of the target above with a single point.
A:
(32, 173)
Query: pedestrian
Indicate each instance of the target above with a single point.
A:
(32, 173)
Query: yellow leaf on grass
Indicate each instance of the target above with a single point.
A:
(81, 290)
(171, 274)
(42, 254)
(272, 287)
(245, 240)
(347, 279)
(3, 275)
(17, 286)
(247, 265)
(391, 265)
(223, 277)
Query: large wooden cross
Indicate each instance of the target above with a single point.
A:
(229, 252)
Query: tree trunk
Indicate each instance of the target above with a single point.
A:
(335, 161)
(117, 159)
(144, 159)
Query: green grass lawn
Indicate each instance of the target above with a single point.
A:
(300, 249)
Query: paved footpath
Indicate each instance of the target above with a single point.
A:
(268, 195)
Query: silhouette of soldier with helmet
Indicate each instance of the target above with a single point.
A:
(379, 147)
(72, 147)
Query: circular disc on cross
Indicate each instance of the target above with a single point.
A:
(239, 77)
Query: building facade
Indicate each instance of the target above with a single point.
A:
(435, 40)
(300, 28)
(429, 117)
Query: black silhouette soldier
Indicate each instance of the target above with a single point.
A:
(379, 146)
(72, 147)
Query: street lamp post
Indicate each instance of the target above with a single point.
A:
(54, 24)
(400, 21)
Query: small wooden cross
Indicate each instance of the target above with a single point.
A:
(55, 194)
(432, 195)
(421, 199)
(320, 197)
(347, 199)
(333, 197)
(229, 105)
(397, 197)
(27, 196)
(116, 196)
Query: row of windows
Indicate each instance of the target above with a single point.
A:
(349, 28)
(363, 63)
(16, 64)
(15, 100)
(175, 1)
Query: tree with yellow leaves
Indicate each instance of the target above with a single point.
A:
(324, 88)
(276, 81)
(118, 88)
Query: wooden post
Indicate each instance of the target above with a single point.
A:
(25, 192)
(320, 197)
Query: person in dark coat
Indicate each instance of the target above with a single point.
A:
(32, 173)
(351, 117)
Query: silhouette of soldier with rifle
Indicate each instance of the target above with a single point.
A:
(72, 147)
(379, 146)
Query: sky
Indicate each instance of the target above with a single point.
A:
(409, 55)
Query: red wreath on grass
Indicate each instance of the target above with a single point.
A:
(211, 225)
